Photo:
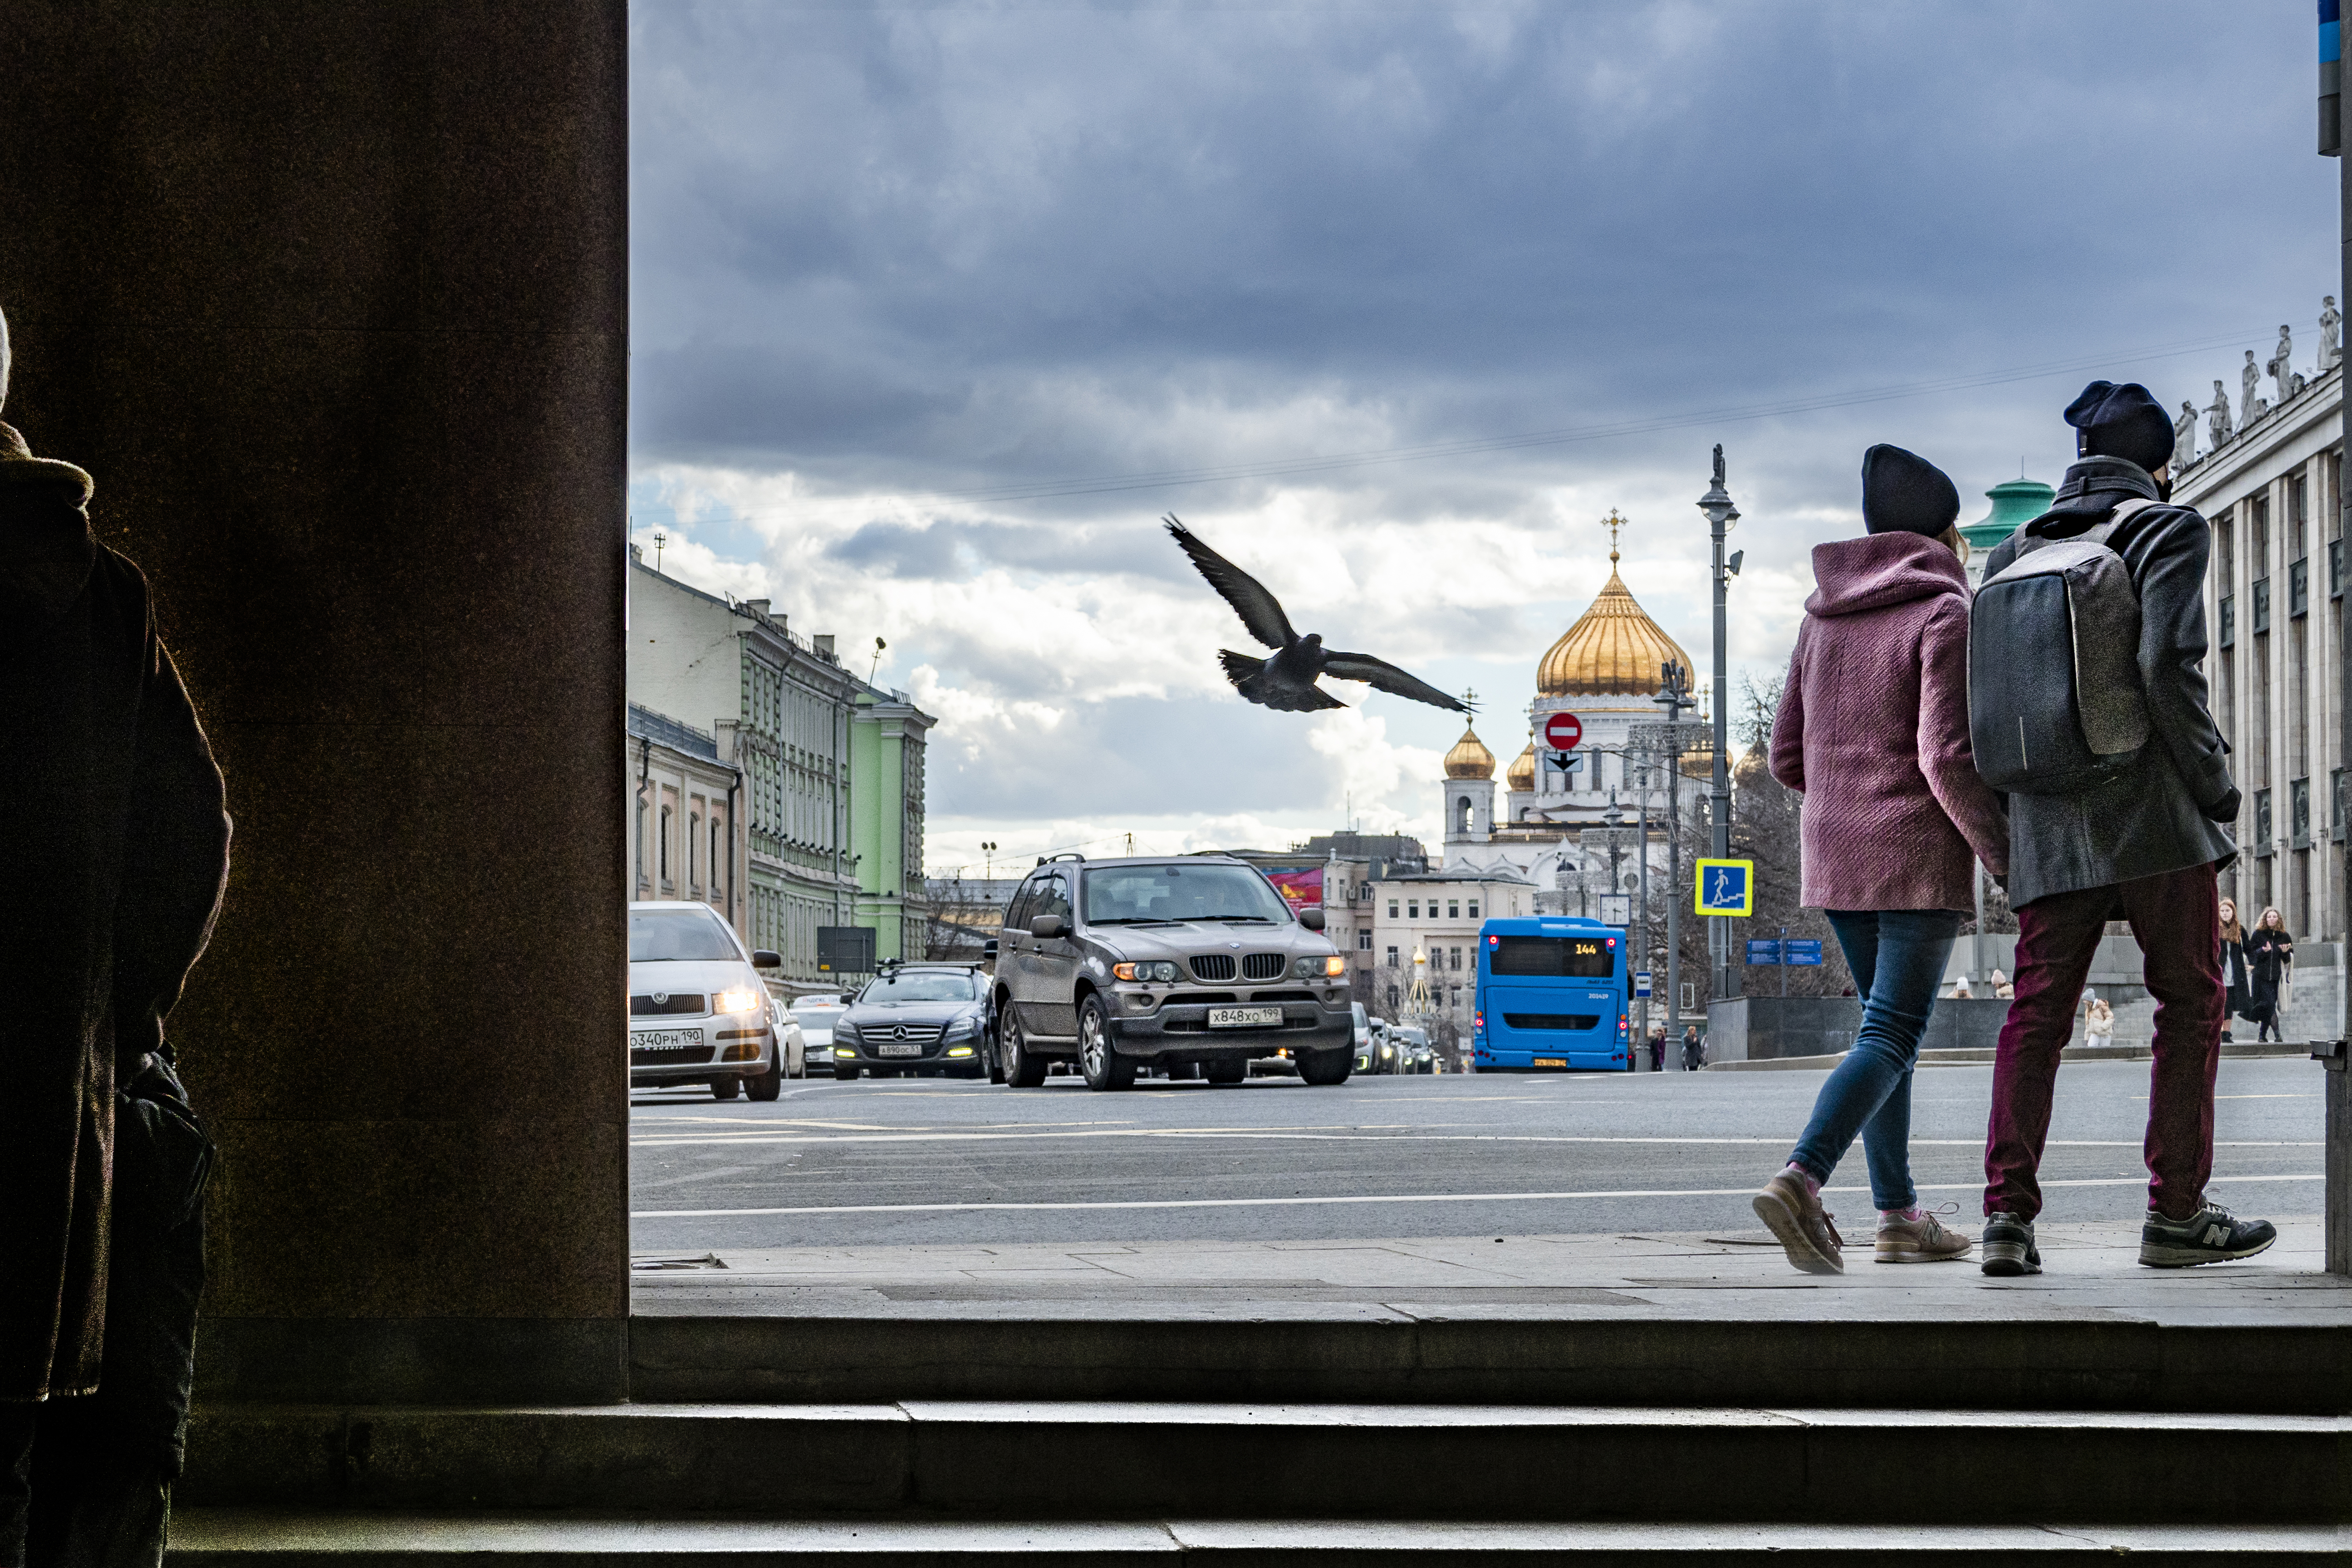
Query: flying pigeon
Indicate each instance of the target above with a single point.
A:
(1286, 681)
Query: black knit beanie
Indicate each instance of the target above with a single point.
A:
(2121, 422)
(1903, 492)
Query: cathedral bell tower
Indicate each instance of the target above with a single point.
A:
(1469, 788)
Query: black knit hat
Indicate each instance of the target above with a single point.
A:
(2121, 422)
(1903, 492)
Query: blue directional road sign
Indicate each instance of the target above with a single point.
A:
(1764, 950)
(1726, 887)
(1801, 950)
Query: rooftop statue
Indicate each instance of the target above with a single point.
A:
(2216, 419)
(2331, 321)
(2184, 436)
(2281, 371)
(2250, 404)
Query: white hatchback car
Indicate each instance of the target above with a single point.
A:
(698, 1011)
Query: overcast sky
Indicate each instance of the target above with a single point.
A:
(936, 310)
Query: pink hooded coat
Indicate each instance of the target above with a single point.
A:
(1873, 730)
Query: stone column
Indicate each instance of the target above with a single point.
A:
(332, 299)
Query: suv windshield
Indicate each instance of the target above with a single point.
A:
(1208, 891)
(936, 985)
(663, 936)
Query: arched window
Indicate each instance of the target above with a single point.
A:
(661, 850)
(717, 857)
(1462, 814)
(693, 829)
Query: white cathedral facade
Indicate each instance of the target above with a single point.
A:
(1606, 669)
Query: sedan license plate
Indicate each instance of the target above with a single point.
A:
(1245, 1017)
(665, 1039)
(897, 1049)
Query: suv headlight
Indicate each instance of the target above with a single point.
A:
(1308, 968)
(1163, 973)
(742, 999)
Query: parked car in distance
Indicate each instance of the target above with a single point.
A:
(699, 1012)
(1129, 965)
(816, 1017)
(922, 1020)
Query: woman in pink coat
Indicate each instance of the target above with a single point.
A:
(1873, 730)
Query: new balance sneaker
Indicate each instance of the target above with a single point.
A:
(2009, 1249)
(1921, 1240)
(2211, 1235)
(1795, 1216)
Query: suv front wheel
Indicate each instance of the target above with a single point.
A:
(1021, 1070)
(1325, 1067)
(1098, 1058)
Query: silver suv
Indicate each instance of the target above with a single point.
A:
(1166, 962)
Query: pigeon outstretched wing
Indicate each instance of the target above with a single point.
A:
(1260, 611)
(1380, 672)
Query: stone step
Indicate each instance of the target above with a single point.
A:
(207, 1538)
(1074, 1462)
(1570, 1347)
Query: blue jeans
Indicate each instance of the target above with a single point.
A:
(1897, 957)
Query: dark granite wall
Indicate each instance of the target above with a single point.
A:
(331, 300)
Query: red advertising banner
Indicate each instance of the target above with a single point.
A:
(1301, 888)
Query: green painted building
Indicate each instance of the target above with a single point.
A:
(887, 747)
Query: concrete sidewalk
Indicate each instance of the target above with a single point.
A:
(2089, 1268)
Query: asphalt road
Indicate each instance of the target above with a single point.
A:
(910, 1162)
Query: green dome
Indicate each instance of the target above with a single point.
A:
(2015, 503)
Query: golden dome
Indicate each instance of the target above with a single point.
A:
(1469, 759)
(1614, 650)
(1522, 776)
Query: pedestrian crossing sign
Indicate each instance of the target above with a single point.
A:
(1726, 887)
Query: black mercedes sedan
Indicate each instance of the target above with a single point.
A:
(924, 1020)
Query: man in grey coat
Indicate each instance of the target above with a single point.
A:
(2144, 846)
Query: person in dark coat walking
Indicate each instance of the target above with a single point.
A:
(2237, 997)
(2144, 846)
(1658, 1047)
(2270, 962)
(119, 861)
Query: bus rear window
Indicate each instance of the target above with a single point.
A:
(1557, 957)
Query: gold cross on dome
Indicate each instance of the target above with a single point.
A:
(1612, 523)
(1469, 698)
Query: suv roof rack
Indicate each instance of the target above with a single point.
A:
(1064, 855)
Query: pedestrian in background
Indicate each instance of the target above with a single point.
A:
(2237, 989)
(2002, 986)
(2270, 960)
(1872, 729)
(1658, 1047)
(2143, 841)
(2099, 1024)
(1694, 1050)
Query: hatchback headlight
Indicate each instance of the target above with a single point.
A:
(742, 999)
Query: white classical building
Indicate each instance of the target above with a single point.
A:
(2272, 488)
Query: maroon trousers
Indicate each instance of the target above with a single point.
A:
(2177, 922)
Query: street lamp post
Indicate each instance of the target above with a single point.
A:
(1720, 517)
(1667, 739)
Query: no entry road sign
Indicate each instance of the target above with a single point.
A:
(1562, 732)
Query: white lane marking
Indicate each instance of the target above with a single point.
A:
(1317, 1135)
(1384, 1198)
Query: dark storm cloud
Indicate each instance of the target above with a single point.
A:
(969, 245)
(952, 551)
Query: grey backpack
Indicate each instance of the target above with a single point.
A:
(2054, 699)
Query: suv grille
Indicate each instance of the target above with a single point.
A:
(1263, 966)
(1213, 966)
(679, 1004)
(1551, 1020)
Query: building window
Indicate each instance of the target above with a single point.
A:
(2298, 809)
(2298, 588)
(641, 840)
(2335, 803)
(1364, 940)
(1392, 1001)
(1474, 908)
(2262, 606)
(2334, 568)
(717, 858)
(1454, 909)
(662, 849)
(1393, 914)
(1412, 909)
(2229, 620)
(2261, 823)
(1392, 963)
(1453, 961)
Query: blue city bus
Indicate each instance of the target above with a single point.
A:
(1552, 996)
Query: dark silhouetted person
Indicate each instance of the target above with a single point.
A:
(119, 848)
(2144, 844)
(2270, 960)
